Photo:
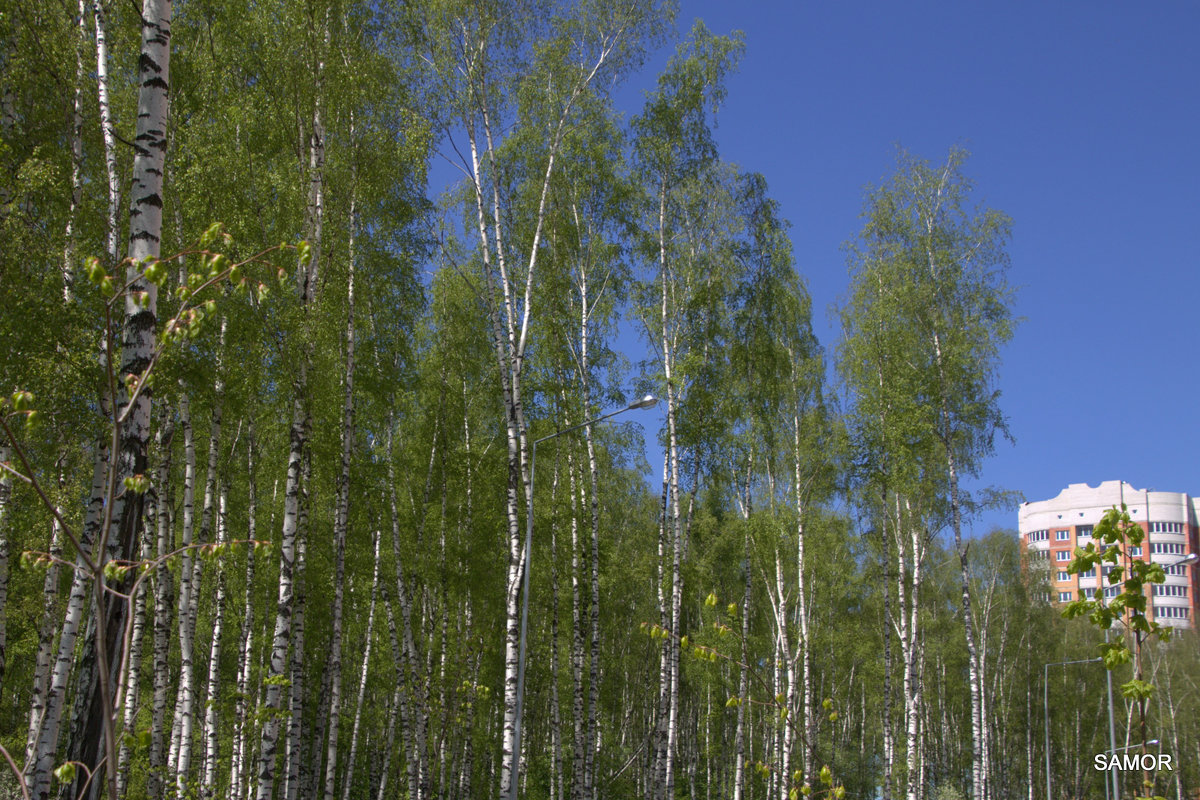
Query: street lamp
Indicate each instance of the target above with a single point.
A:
(648, 401)
(1046, 708)
(1113, 778)
(1150, 743)
(1190, 558)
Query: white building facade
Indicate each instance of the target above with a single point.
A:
(1052, 529)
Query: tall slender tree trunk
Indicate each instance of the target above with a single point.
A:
(580, 741)
(295, 771)
(181, 727)
(909, 635)
(889, 745)
(290, 555)
(341, 517)
(5, 515)
(41, 675)
(208, 770)
(592, 729)
(808, 715)
(238, 749)
(163, 583)
(68, 265)
(106, 127)
(669, 674)
(137, 348)
(133, 671)
(740, 734)
(555, 711)
(400, 662)
(408, 662)
(979, 760)
(208, 781)
(348, 778)
(44, 723)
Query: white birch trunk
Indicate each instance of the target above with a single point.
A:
(133, 670)
(669, 676)
(592, 728)
(181, 727)
(740, 734)
(68, 265)
(155, 779)
(509, 308)
(889, 744)
(306, 278)
(208, 781)
(44, 723)
(137, 349)
(106, 127)
(404, 650)
(348, 778)
(293, 749)
(580, 741)
(911, 643)
(41, 675)
(211, 498)
(341, 518)
(281, 637)
(808, 716)
(5, 514)
(238, 749)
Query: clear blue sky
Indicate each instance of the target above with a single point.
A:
(1083, 119)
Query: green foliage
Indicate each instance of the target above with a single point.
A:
(1117, 532)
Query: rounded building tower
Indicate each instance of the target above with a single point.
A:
(1052, 529)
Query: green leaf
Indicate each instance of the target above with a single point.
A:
(210, 234)
(1137, 690)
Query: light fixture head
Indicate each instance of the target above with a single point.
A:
(1190, 558)
(649, 401)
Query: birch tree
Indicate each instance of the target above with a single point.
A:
(472, 47)
(675, 148)
(132, 408)
(929, 278)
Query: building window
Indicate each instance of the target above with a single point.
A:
(1169, 590)
(1178, 569)
(1064, 597)
(1063, 575)
(1170, 612)
(1135, 551)
(1166, 548)
(1111, 592)
(1062, 536)
(1083, 531)
(1166, 527)
(1062, 555)
(1091, 573)
(1039, 536)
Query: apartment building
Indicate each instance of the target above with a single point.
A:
(1052, 529)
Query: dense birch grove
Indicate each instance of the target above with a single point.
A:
(272, 393)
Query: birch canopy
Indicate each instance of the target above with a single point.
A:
(287, 292)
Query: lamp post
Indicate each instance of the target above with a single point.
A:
(1113, 778)
(649, 401)
(1046, 708)
(1150, 743)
